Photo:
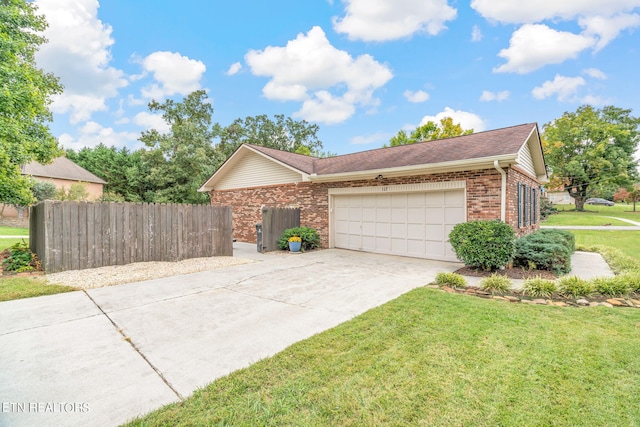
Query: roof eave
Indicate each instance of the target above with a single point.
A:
(452, 166)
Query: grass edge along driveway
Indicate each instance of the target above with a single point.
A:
(437, 359)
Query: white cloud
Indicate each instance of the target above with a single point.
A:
(565, 88)
(476, 34)
(384, 20)
(593, 100)
(92, 134)
(595, 73)
(494, 96)
(149, 121)
(533, 46)
(464, 118)
(234, 69)
(329, 82)
(417, 97)
(606, 29)
(78, 52)
(174, 74)
(370, 139)
(517, 11)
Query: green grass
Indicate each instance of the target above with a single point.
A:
(594, 215)
(7, 243)
(13, 231)
(26, 287)
(626, 241)
(431, 358)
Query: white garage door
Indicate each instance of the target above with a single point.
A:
(413, 224)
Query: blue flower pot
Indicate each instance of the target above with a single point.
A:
(295, 246)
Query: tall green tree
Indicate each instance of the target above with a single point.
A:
(182, 159)
(589, 148)
(25, 95)
(281, 133)
(124, 171)
(429, 132)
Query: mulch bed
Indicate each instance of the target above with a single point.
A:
(511, 273)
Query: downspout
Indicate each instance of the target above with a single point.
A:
(503, 192)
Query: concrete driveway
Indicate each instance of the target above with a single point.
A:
(104, 356)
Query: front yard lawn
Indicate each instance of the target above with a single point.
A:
(593, 215)
(26, 287)
(436, 359)
(7, 243)
(13, 231)
(627, 241)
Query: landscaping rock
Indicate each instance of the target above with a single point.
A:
(448, 289)
(635, 302)
(499, 298)
(559, 304)
(512, 298)
(615, 302)
(594, 304)
(540, 301)
(432, 286)
(526, 301)
(582, 302)
(606, 304)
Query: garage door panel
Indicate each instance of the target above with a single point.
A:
(398, 245)
(435, 249)
(433, 199)
(399, 231)
(416, 231)
(416, 200)
(434, 232)
(454, 215)
(416, 215)
(368, 228)
(383, 229)
(399, 201)
(453, 198)
(399, 215)
(434, 215)
(416, 247)
(383, 244)
(383, 214)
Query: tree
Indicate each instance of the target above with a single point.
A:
(282, 134)
(429, 132)
(25, 94)
(591, 147)
(124, 171)
(181, 160)
(634, 196)
(43, 190)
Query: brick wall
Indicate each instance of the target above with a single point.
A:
(482, 186)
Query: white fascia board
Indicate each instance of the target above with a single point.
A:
(453, 166)
(537, 155)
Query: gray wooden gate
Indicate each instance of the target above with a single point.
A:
(274, 222)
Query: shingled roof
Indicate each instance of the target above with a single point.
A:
(61, 168)
(458, 153)
(474, 146)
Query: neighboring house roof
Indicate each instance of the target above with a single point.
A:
(513, 145)
(61, 168)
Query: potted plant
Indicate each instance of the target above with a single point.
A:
(295, 243)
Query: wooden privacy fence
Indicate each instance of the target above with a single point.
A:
(274, 222)
(78, 235)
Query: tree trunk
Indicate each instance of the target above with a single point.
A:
(579, 204)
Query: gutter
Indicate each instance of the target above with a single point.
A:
(453, 166)
(503, 191)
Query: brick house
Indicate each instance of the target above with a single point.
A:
(62, 173)
(399, 200)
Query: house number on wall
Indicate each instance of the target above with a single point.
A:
(384, 189)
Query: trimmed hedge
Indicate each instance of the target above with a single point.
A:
(547, 249)
(488, 245)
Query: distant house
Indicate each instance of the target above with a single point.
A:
(559, 196)
(63, 173)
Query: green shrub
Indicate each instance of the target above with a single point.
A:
(573, 286)
(496, 283)
(20, 259)
(539, 287)
(547, 249)
(310, 238)
(450, 279)
(610, 286)
(632, 279)
(488, 245)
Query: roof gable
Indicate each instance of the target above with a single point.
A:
(61, 168)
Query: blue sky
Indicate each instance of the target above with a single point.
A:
(360, 69)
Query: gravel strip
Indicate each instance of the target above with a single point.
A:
(119, 274)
